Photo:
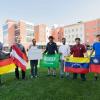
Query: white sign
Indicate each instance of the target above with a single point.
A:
(34, 53)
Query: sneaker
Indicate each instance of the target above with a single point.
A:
(31, 77)
(36, 76)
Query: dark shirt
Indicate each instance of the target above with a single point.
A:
(51, 48)
(78, 50)
(21, 47)
(1, 46)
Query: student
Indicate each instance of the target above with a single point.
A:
(64, 50)
(51, 48)
(33, 63)
(78, 50)
(96, 49)
(21, 47)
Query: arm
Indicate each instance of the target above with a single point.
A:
(91, 53)
(56, 49)
(85, 51)
(46, 49)
(71, 51)
(24, 51)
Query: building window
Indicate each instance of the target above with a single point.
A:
(5, 27)
(29, 26)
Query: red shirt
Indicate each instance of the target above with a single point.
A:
(78, 50)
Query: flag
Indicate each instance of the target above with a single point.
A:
(19, 58)
(95, 64)
(6, 66)
(77, 65)
(50, 60)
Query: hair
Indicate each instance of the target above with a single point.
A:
(33, 39)
(51, 37)
(97, 35)
(63, 38)
(77, 39)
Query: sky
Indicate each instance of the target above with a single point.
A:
(49, 11)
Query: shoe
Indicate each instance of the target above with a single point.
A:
(54, 75)
(68, 77)
(96, 78)
(48, 75)
(36, 76)
(84, 79)
(74, 78)
(31, 77)
(61, 76)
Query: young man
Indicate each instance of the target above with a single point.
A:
(96, 49)
(33, 63)
(64, 50)
(51, 48)
(21, 47)
(78, 50)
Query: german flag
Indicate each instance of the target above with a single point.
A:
(6, 66)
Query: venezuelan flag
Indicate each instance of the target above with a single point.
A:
(77, 65)
(95, 64)
(6, 66)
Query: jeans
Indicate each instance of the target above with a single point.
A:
(62, 68)
(33, 64)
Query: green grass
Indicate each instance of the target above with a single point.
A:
(48, 88)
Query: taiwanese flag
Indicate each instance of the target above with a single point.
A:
(77, 65)
(95, 65)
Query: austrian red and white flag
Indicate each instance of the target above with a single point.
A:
(19, 58)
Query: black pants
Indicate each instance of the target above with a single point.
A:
(82, 76)
(33, 64)
(17, 73)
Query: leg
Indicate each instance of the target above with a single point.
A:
(17, 72)
(74, 75)
(23, 74)
(54, 72)
(49, 71)
(95, 76)
(61, 68)
(0, 79)
(83, 77)
(36, 63)
(32, 67)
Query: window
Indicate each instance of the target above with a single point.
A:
(30, 33)
(5, 32)
(5, 27)
(28, 39)
(29, 26)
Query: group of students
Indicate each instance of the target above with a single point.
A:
(77, 50)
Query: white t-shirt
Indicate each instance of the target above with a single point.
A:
(65, 50)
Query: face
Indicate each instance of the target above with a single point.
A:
(98, 38)
(50, 39)
(18, 40)
(77, 41)
(63, 41)
(34, 42)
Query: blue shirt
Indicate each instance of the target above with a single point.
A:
(96, 48)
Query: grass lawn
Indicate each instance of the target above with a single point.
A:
(48, 88)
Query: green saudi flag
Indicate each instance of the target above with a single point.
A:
(50, 61)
